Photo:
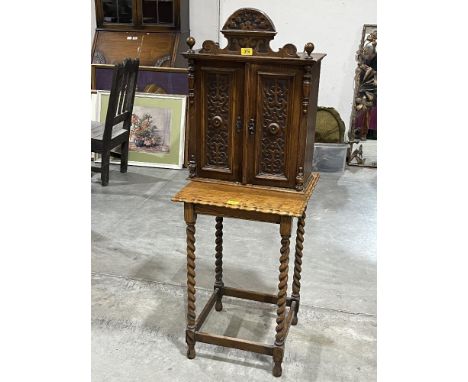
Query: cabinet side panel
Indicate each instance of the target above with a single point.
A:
(311, 119)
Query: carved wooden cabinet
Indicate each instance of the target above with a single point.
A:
(252, 110)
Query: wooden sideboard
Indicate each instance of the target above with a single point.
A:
(151, 30)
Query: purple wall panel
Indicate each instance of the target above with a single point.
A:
(172, 83)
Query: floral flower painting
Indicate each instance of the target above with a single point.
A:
(150, 131)
(157, 129)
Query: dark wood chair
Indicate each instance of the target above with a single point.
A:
(115, 131)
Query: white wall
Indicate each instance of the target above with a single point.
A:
(204, 20)
(334, 26)
(93, 21)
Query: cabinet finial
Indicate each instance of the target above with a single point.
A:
(309, 47)
(190, 42)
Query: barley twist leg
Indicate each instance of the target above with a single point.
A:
(285, 229)
(191, 315)
(219, 262)
(296, 287)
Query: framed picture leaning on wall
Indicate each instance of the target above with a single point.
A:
(158, 129)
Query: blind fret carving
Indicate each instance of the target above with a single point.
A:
(249, 19)
(275, 94)
(217, 132)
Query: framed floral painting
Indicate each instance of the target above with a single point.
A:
(158, 129)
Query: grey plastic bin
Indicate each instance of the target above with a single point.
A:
(329, 157)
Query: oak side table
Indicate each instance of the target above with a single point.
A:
(251, 203)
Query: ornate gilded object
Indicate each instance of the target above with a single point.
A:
(365, 93)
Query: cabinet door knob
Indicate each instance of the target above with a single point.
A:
(239, 124)
(252, 126)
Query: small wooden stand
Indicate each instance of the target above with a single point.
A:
(251, 203)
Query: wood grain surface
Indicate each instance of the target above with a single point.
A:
(247, 198)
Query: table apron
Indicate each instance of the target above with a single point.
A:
(238, 214)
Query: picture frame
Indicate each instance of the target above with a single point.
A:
(94, 109)
(157, 133)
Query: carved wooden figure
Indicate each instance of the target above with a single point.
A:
(252, 110)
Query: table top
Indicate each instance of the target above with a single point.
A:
(248, 198)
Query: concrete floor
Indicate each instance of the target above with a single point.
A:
(139, 277)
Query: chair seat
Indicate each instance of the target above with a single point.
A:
(97, 130)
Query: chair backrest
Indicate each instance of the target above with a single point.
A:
(122, 96)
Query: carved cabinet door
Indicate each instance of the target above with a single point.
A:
(273, 124)
(220, 114)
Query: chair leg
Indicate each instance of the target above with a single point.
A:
(124, 157)
(105, 168)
